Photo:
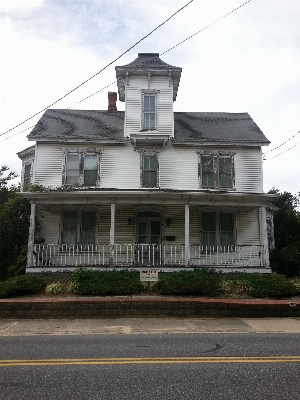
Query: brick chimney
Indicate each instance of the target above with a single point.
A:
(112, 99)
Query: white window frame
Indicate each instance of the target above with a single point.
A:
(147, 93)
(217, 218)
(216, 156)
(30, 174)
(81, 153)
(79, 212)
(142, 171)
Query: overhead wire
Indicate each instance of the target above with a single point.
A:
(97, 73)
(282, 143)
(270, 158)
(171, 48)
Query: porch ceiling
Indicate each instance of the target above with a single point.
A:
(155, 196)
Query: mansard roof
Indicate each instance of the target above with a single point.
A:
(189, 127)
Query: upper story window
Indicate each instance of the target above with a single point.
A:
(216, 170)
(149, 113)
(72, 169)
(27, 175)
(149, 173)
(81, 169)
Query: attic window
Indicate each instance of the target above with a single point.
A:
(149, 112)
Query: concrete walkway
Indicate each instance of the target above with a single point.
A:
(27, 327)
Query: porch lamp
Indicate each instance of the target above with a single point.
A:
(129, 221)
(168, 221)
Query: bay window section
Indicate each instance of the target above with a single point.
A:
(27, 176)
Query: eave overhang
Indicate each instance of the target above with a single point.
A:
(155, 196)
(149, 138)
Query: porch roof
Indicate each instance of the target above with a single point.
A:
(154, 196)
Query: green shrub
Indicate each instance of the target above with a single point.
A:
(226, 286)
(54, 288)
(243, 286)
(20, 285)
(73, 287)
(269, 285)
(106, 283)
(296, 284)
(197, 282)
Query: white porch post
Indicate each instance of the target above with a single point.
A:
(187, 235)
(112, 234)
(264, 238)
(31, 236)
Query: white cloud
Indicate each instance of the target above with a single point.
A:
(17, 5)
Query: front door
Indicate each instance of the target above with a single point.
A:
(148, 250)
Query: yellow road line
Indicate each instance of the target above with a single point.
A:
(158, 360)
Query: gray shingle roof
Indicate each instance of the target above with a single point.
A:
(60, 125)
(148, 60)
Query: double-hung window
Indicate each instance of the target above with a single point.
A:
(216, 170)
(81, 169)
(149, 112)
(72, 169)
(149, 171)
(78, 227)
(217, 229)
(27, 175)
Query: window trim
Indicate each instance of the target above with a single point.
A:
(81, 154)
(154, 154)
(30, 174)
(79, 211)
(217, 217)
(216, 156)
(146, 93)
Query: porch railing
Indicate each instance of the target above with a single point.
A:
(146, 254)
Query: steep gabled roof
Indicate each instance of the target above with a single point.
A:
(193, 127)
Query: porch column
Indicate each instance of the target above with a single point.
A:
(187, 235)
(264, 238)
(112, 234)
(30, 260)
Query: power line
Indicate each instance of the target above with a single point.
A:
(45, 119)
(282, 143)
(171, 48)
(201, 30)
(266, 159)
(97, 73)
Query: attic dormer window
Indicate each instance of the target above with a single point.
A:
(149, 112)
(149, 115)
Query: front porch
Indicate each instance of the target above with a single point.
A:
(164, 230)
(47, 256)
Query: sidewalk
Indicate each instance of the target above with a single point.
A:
(81, 307)
(127, 326)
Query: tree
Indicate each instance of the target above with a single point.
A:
(285, 258)
(14, 225)
(7, 191)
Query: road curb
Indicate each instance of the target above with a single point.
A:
(147, 307)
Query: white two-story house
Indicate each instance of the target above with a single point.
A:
(147, 186)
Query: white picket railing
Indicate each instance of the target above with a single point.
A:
(146, 254)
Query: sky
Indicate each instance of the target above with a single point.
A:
(248, 61)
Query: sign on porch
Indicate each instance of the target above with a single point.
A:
(148, 275)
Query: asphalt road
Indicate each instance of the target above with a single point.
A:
(173, 366)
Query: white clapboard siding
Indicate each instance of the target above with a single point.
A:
(49, 165)
(120, 168)
(176, 214)
(124, 233)
(49, 222)
(178, 169)
(247, 226)
(104, 224)
(133, 104)
(248, 170)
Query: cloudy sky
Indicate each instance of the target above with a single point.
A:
(246, 62)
